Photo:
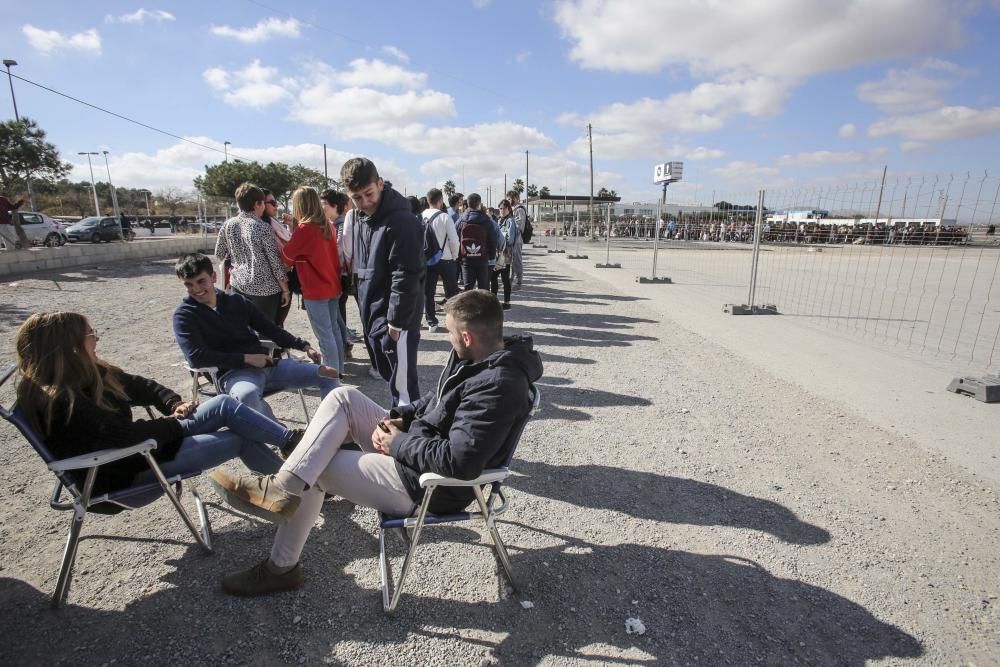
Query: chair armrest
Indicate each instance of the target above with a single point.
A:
(211, 370)
(429, 479)
(91, 459)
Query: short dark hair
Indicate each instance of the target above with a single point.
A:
(480, 311)
(454, 199)
(414, 204)
(505, 204)
(358, 173)
(474, 200)
(336, 199)
(434, 195)
(188, 266)
(513, 194)
(247, 195)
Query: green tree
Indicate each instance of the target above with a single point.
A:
(24, 153)
(544, 192)
(604, 192)
(303, 176)
(448, 189)
(518, 186)
(532, 190)
(171, 199)
(221, 180)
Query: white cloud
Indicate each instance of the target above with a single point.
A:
(710, 38)
(956, 122)
(48, 41)
(396, 53)
(266, 29)
(140, 16)
(364, 113)
(253, 86)
(909, 90)
(702, 153)
(912, 146)
(522, 56)
(743, 171)
(821, 158)
(377, 74)
(847, 131)
(481, 4)
(177, 165)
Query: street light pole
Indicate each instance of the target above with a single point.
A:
(225, 147)
(114, 195)
(93, 183)
(8, 63)
(145, 193)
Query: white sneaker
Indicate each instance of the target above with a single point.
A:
(374, 373)
(432, 328)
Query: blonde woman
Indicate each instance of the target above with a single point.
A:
(312, 250)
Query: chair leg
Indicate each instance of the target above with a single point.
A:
(383, 568)
(305, 409)
(69, 557)
(501, 550)
(206, 525)
(421, 516)
(205, 544)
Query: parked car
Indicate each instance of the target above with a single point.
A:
(95, 230)
(41, 229)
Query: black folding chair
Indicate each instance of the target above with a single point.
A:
(80, 500)
(493, 478)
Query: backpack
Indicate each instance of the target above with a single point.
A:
(472, 240)
(528, 229)
(432, 248)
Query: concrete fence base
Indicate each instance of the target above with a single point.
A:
(69, 256)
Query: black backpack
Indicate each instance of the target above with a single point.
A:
(528, 229)
(432, 248)
(472, 240)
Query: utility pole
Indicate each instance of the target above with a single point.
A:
(93, 184)
(326, 174)
(225, 147)
(114, 194)
(8, 63)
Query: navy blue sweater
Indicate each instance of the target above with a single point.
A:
(221, 336)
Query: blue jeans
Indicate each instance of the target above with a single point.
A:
(324, 318)
(205, 445)
(249, 385)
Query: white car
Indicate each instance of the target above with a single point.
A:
(41, 229)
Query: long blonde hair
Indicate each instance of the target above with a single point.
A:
(307, 210)
(54, 362)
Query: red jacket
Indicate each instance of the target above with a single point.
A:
(315, 260)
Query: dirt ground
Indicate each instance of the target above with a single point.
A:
(742, 518)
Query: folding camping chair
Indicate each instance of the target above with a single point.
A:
(205, 380)
(493, 478)
(80, 500)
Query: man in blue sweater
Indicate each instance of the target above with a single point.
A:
(213, 328)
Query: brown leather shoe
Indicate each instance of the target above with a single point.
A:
(259, 580)
(255, 494)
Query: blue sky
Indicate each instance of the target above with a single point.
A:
(773, 93)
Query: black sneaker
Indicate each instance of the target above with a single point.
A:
(289, 447)
(506, 306)
(259, 580)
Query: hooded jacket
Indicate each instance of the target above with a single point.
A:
(389, 262)
(490, 231)
(468, 423)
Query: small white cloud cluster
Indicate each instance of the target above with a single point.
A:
(49, 41)
(264, 30)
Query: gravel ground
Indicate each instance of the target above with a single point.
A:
(742, 519)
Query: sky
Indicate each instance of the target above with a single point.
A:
(768, 93)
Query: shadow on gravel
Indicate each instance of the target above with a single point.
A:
(662, 498)
(13, 316)
(560, 399)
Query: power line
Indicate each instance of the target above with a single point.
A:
(125, 118)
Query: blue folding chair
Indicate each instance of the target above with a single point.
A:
(493, 478)
(81, 502)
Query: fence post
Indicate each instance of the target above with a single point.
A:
(656, 251)
(577, 255)
(555, 239)
(750, 308)
(607, 258)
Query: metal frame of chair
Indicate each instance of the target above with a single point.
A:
(132, 497)
(212, 374)
(487, 512)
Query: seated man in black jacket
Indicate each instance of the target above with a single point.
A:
(462, 428)
(217, 329)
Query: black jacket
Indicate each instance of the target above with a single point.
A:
(90, 428)
(389, 262)
(466, 425)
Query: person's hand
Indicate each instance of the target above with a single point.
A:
(256, 360)
(184, 409)
(382, 438)
(393, 334)
(286, 298)
(314, 355)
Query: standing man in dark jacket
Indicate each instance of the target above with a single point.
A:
(389, 262)
(466, 425)
(477, 243)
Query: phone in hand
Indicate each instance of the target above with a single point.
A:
(383, 425)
